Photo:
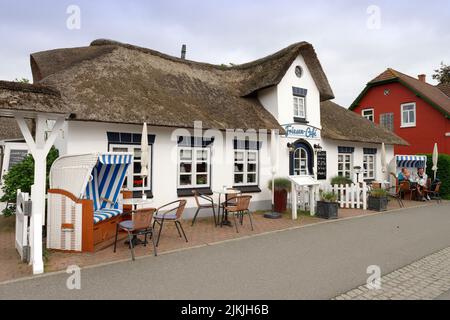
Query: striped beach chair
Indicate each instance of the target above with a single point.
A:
(104, 186)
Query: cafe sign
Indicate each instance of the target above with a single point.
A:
(301, 131)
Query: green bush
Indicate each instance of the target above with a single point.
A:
(328, 196)
(340, 180)
(281, 184)
(443, 173)
(21, 176)
(378, 193)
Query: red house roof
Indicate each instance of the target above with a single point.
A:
(436, 96)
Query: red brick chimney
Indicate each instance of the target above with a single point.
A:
(422, 77)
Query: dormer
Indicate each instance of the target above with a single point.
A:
(302, 85)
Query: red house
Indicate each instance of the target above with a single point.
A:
(410, 107)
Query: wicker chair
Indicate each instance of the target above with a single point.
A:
(238, 206)
(405, 188)
(201, 206)
(140, 225)
(173, 214)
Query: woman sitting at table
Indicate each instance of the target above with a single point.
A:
(404, 175)
(422, 188)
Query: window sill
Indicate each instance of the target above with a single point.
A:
(248, 189)
(138, 194)
(300, 120)
(188, 192)
(407, 126)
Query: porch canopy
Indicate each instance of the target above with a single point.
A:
(96, 177)
(43, 105)
(410, 161)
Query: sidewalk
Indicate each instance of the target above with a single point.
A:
(425, 279)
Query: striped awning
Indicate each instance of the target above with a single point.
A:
(411, 161)
(115, 158)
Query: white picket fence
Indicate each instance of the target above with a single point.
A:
(352, 196)
(23, 212)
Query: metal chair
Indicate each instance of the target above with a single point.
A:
(201, 206)
(140, 225)
(239, 206)
(434, 192)
(396, 191)
(173, 214)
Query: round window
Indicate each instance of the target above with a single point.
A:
(298, 71)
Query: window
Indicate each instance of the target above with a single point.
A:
(245, 167)
(369, 166)
(387, 121)
(299, 107)
(134, 180)
(368, 114)
(345, 165)
(193, 167)
(408, 111)
(301, 162)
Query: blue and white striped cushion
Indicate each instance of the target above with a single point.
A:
(105, 214)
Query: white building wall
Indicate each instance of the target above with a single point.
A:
(331, 146)
(91, 137)
(285, 96)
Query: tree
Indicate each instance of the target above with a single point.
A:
(21, 176)
(442, 74)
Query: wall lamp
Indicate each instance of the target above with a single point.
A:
(317, 148)
(291, 147)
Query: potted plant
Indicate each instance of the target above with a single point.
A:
(341, 180)
(378, 200)
(282, 187)
(327, 207)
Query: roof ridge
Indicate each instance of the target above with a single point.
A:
(246, 65)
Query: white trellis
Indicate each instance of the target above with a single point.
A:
(352, 196)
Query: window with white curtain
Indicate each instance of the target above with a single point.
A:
(408, 111)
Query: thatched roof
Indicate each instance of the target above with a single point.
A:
(433, 95)
(30, 97)
(9, 129)
(339, 123)
(114, 82)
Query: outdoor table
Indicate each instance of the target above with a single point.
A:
(226, 193)
(135, 203)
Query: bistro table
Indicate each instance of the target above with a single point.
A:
(227, 193)
(135, 203)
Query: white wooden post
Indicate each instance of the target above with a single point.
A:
(358, 197)
(364, 196)
(39, 148)
(312, 202)
(294, 200)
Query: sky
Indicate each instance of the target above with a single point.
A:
(355, 40)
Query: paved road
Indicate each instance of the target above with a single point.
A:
(316, 262)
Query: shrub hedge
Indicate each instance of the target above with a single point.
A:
(443, 173)
(21, 176)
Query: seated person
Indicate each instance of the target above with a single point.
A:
(422, 187)
(404, 175)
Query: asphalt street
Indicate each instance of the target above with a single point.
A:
(315, 262)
